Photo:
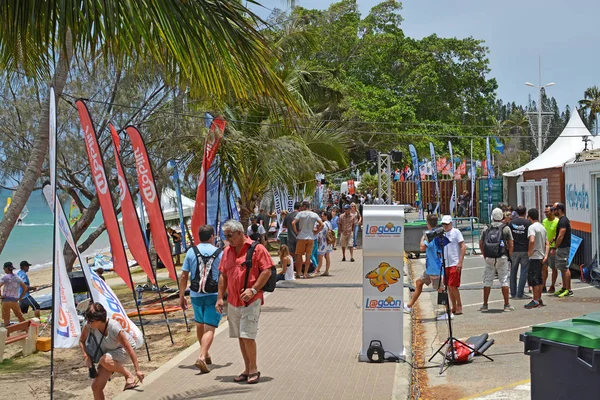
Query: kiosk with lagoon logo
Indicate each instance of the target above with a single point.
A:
(383, 265)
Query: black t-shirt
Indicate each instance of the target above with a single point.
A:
(518, 227)
(287, 222)
(564, 222)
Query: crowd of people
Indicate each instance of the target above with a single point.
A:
(518, 250)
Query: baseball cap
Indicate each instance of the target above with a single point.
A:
(346, 206)
(447, 219)
(9, 265)
(497, 214)
(24, 264)
(560, 206)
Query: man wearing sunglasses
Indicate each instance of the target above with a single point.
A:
(243, 311)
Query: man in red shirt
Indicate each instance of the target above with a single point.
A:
(244, 304)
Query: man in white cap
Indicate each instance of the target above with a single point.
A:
(496, 244)
(454, 255)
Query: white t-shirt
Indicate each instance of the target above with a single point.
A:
(306, 223)
(452, 249)
(289, 272)
(539, 247)
(261, 230)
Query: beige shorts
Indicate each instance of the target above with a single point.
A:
(433, 280)
(243, 321)
(489, 273)
(304, 246)
(346, 240)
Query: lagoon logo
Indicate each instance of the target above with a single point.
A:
(578, 199)
(389, 303)
(387, 229)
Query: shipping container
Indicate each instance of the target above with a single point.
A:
(582, 193)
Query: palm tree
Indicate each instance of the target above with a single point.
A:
(591, 103)
(212, 47)
(259, 155)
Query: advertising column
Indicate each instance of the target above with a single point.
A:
(383, 263)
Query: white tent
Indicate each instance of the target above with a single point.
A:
(168, 203)
(561, 151)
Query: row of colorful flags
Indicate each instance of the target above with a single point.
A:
(66, 329)
(447, 166)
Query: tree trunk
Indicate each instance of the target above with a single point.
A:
(38, 153)
(87, 217)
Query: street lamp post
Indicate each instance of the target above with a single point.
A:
(540, 144)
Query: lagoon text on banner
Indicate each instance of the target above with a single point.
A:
(151, 200)
(103, 191)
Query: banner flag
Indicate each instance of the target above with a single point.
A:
(490, 174)
(453, 197)
(473, 180)
(103, 191)
(434, 173)
(417, 177)
(52, 145)
(213, 183)
(100, 292)
(131, 223)
(65, 321)
(211, 146)
(65, 324)
(151, 200)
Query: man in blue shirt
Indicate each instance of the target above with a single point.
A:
(205, 313)
(433, 264)
(27, 301)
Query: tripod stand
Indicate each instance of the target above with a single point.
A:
(444, 297)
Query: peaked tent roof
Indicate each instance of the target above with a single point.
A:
(562, 150)
(168, 203)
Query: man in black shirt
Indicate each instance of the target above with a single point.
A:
(519, 227)
(563, 247)
(287, 222)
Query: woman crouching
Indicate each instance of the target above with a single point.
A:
(114, 346)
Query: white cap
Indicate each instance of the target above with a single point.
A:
(447, 219)
(497, 214)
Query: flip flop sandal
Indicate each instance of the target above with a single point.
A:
(132, 385)
(241, 378)
(253, 378)
(201, 365)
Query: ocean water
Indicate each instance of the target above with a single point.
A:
(32, 240)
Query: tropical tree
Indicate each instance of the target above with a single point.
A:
(591, 103)
(258, 155)
(211, 47)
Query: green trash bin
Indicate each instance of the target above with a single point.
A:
(565, 358)
(413, 232)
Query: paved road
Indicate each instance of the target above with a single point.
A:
(506, 375)
(309, 338)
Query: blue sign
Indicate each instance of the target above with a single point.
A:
(575, 242)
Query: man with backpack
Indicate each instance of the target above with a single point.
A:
(496, 244)
(246, 268)
(201, 264)
(519, 228)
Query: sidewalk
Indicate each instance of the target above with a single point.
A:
(308, 343)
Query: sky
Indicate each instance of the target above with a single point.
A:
(564, 34)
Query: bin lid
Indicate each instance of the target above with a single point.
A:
(418, 223)
(592, 318)
(584, 334)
